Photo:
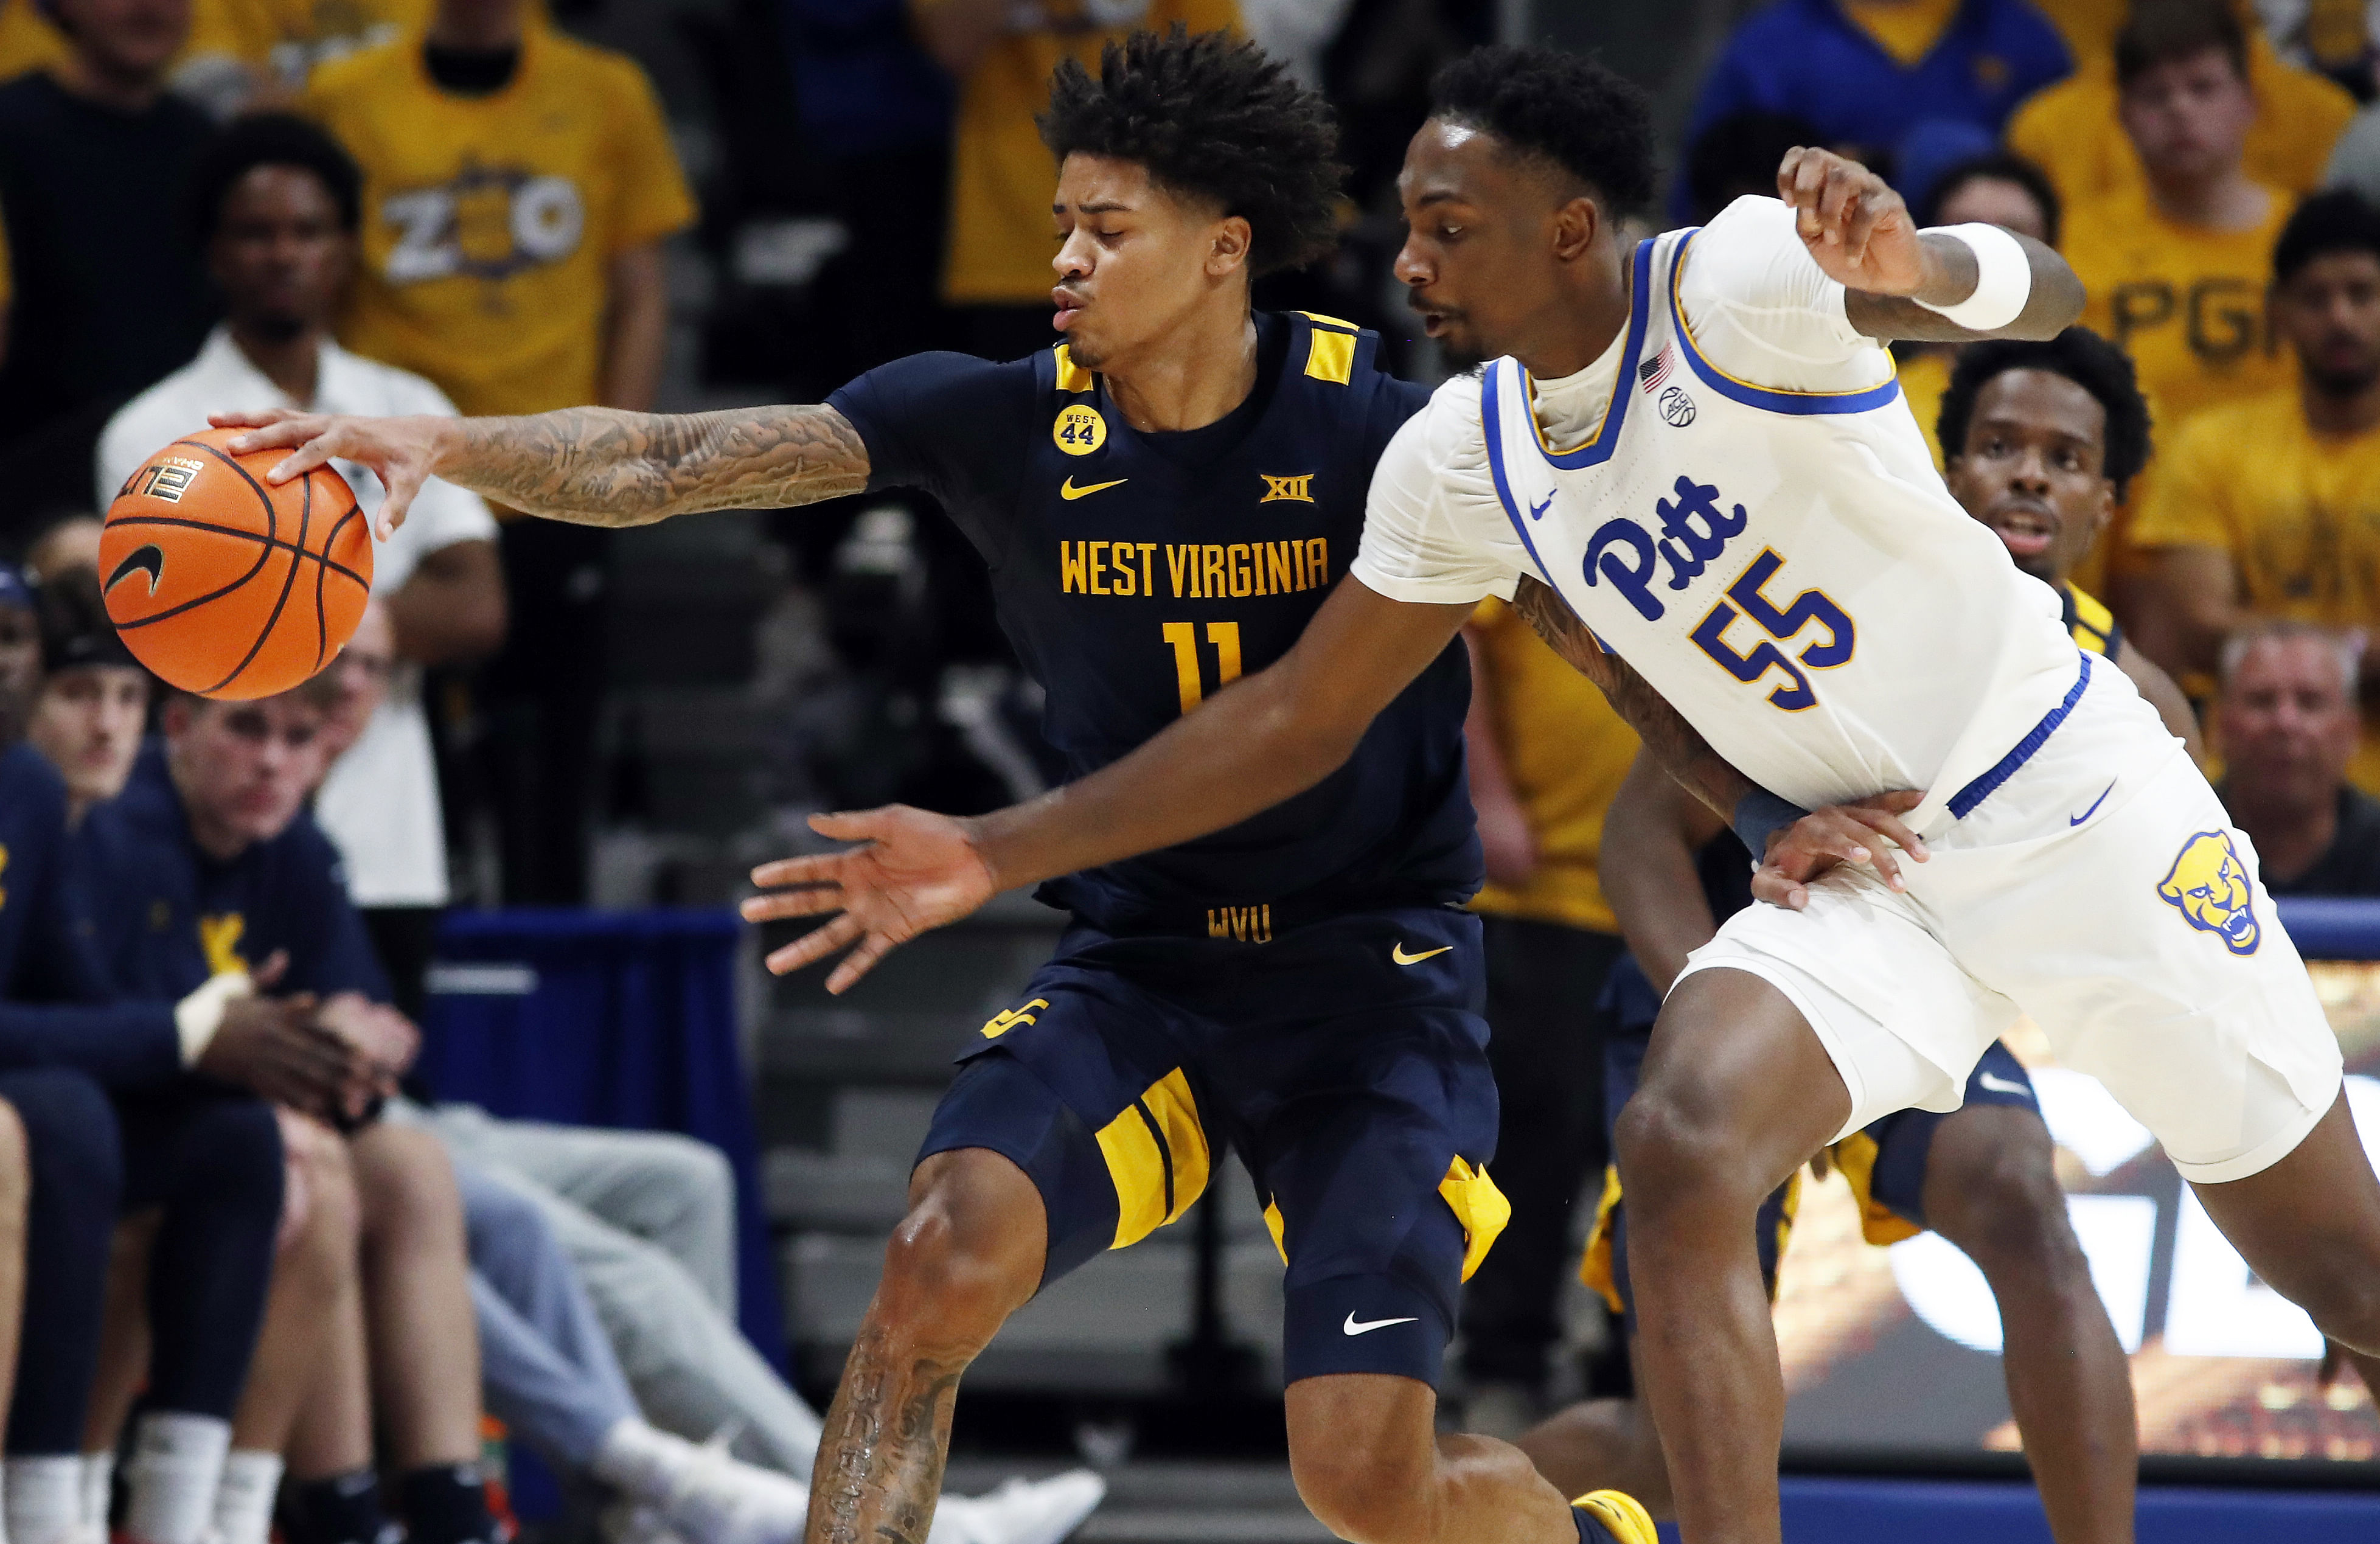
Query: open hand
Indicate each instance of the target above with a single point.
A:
(402, 453)
(1855, 225)
(1865, 833)
(914, 870)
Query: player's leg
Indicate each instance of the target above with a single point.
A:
(1371, 1464)
(1600, 1444)
(2309, 1226)
(1737, 1092)
(1991, 1190)
(968, 1253)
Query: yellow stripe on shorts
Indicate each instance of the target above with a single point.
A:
(1157, 1158)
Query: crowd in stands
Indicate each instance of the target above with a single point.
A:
(239, 1241)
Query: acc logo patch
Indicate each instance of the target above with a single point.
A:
(1677, 407)
(2209, 886)
(1079, 429)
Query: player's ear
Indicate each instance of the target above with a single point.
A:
(1576, 224)
(1233, 235)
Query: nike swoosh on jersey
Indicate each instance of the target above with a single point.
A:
(1364, 1327)
(1067, 490)
(1398, 955)
(2001, 1085)
(2096, 803)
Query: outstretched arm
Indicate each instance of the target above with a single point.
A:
(588, 465)
(1861, 234)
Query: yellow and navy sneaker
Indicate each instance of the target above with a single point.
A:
(1614, 1515)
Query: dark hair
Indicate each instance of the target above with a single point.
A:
(2337, 221)
(2079, 355)
(1215, 118)
(1565, 108)
(75, 629)
(272, 140)
(1995, 165)
(1739, 148)
(2159, 32)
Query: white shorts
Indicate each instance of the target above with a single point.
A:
(2100, 889)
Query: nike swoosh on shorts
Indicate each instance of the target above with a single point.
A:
(1365, 1325)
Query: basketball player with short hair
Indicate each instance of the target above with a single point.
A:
(1165, 503)
(1693, 470)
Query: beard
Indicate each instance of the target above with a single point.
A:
(2342, 383)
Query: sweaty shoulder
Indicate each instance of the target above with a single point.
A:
(1434, 530)
(1758, 307)
(951, 424)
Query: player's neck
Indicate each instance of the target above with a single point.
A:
(123, 92)
(2227, 201)
(1201, 373)
(294, 364)
(2356, 412)
(2291, 833)
(1567, 337)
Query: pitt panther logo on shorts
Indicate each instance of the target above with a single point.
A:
(2209, 886)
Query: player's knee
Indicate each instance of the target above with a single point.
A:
(232, 1149)
(946, 1281)
(323, 1180)
(1360, 1493)
(405, 1185)
(2008, 1215)
(1674, 1146)
(73, 1147)
(2346, 1305)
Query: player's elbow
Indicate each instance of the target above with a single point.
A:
(1307, 742)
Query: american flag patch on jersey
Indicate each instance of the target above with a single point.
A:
(1652, 372)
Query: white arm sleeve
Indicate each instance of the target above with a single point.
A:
(1761, 309)
(1433, 529)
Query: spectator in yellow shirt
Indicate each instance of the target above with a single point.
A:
(517, 186)
(1546, 755)
(29, 40)
(1000, 52)
(2270, 509)
(2176, 270)
(245, 53)
(2070, 129)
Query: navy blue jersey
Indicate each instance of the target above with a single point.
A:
(169, 915)
(1137, 574)
(54, 1004)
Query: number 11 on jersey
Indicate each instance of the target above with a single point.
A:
(1223, 636)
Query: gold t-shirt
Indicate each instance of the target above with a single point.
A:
(490, 223)
(1001, 173)
(1566, 752)
(2070, 131)
(2298, 517)
(2187, 303)
(285, 39)
(28, 39)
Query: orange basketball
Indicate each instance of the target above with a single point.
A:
(224, 585)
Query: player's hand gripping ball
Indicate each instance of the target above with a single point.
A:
(224, 585)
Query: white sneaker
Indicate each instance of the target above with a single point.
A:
(717, 1499)
(1020, 1511)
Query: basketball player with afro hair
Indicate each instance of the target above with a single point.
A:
(1163, 501)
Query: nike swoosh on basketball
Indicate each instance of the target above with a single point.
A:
(1398, 955)
(2001, 1085)
(1067, 490)
(2094, 806)
(1365, 1325)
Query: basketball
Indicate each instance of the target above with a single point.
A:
(224, 585)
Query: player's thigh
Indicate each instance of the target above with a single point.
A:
(2147, 949)
(1832, 1016)
(1370, 1157)
(2309, 1226)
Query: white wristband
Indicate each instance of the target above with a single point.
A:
(2003, 278)
(199, 1015)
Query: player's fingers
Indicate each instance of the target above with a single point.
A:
(275, 966)
(854, 825)
(780, 905)
(276, 428)
(401, 488)
(1789, 172)
(1809, 189)
(858, 963)
(814, 945)
(1835, 203)
(1772, 885)
(1886, 825)
(1859, 222)
(314, 453)
(816, 868)
(1900, 802)
(254, 419)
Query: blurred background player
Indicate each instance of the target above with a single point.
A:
(1545, 754)
(91, 149)
(494, 102)
(2235, 540)
(277, 205)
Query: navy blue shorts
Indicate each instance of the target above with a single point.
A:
(1885, 1160)
(1346, 1064)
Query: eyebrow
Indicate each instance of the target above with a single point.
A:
(1110, 207)
(1438, 195)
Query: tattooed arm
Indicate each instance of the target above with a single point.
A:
(589, 466)
(1669, 738)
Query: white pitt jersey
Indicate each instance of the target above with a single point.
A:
(1781, 563)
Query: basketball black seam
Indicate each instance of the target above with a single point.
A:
(288, 582)
(268, 541)
(322, 577)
